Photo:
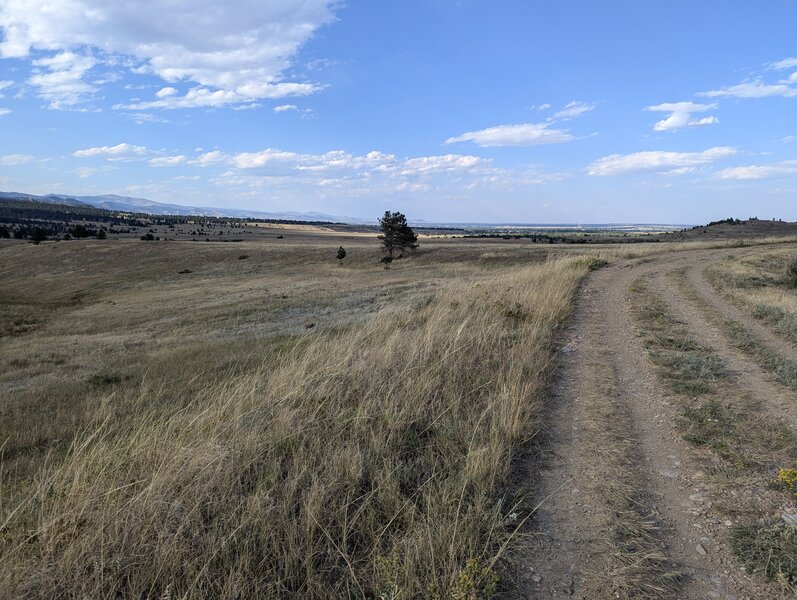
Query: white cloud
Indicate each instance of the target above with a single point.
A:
(84, 172)
(679, 171)
(200, 97)
(753, 89)
(253, 160)
(5, 111)
(10, 160)
(525, 134)
(165, 92)
(231, 53)
(118, 152)
(374, 162)
(167, 161)
(342, 172)
(681, 115)
(62, 83)
(285, 107)
(670, 162)
(141, 117)
(751, 172)
(5, 84)
(209, 158)
(786, 63)
(436, 164)
(574, 109)
(758, 88)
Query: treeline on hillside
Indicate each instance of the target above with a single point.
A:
(542, 238)
(728, 221)
(29, 219)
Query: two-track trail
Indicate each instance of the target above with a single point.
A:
(623, 508)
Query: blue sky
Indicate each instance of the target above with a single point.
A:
(468, 110)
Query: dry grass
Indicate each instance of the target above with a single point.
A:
(180, 443)
(761, 285)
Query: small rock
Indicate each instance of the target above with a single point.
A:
(536, 578)
(701, 550)
(790, 519)
(671, 473)
(567, 584)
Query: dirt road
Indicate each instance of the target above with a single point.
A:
(627, 506)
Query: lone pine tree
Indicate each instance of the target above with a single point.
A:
(396, 236)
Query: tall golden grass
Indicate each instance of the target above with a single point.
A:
(372, 460)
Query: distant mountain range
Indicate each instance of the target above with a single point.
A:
(142, 205)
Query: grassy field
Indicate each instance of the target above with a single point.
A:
(195, 419)
(762, 286)
(254, 419)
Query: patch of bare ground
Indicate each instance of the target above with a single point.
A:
(596, 533)
(624, 446)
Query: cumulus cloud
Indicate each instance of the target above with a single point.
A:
(5, 111)
(524, 134)
(666, 162)
(165, 92)
(231, 54)
(10, 160)
(374, 162)
(60, 78)
(285, 107)
(750, 172)
(118, 152)
(681, 115)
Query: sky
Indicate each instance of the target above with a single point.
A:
(485, 111)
